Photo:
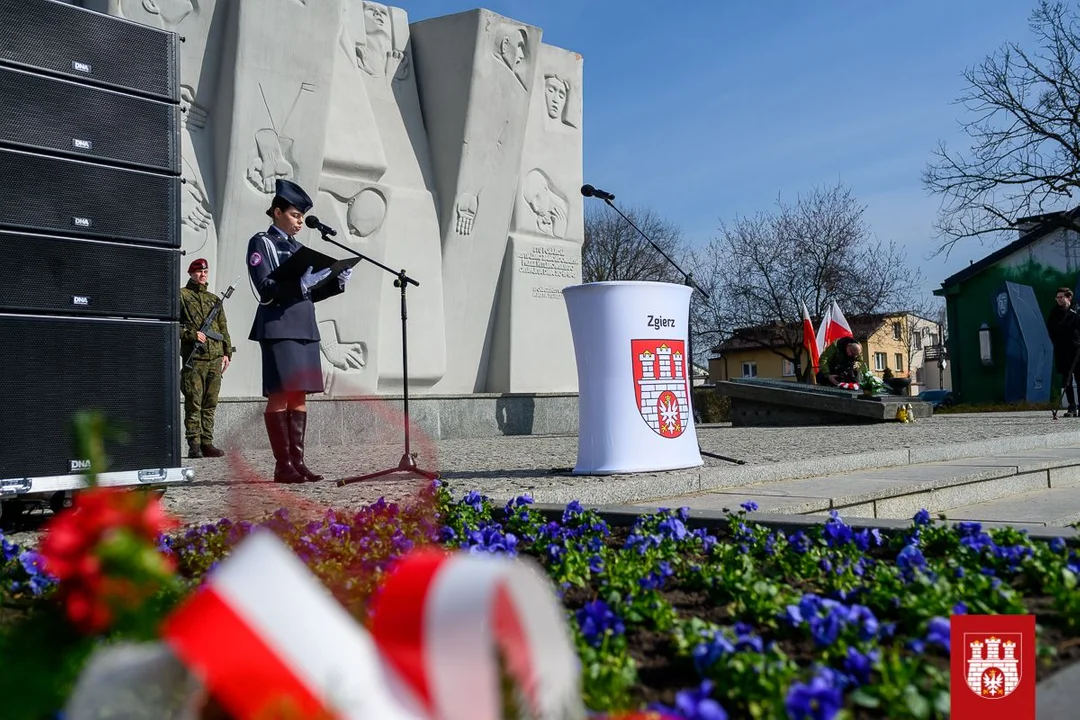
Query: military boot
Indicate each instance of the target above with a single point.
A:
(278, 431)
(297, 433)
(208, 450)
(194, 449)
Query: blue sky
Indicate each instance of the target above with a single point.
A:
(709, 110)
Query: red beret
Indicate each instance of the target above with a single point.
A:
(198, 264)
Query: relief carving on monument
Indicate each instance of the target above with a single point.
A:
(367, 210)
(557, 92)
(549, 206)
(512, 50)
(272, 157)
(171, 12)
(340, 355)
(193, 115)
(193, 20)
(400, 173)
(465, 213)
(381, 46)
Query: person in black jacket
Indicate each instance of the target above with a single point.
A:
(286, 330)
(1063, 324)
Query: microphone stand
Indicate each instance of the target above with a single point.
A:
(689, 280)
(407, 464)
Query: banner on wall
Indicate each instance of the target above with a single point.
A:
(631, 341)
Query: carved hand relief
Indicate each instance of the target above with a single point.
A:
(272, 155)
(556, 93)
(366, 212)
(465, 212)
(193, 115)
(343, 356)
(195, 205)
(402, 58)
(512, 50)
(271, 161)
(550, 207)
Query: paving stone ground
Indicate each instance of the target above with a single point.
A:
(236, 486)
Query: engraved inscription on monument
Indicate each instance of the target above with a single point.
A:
(548, 261)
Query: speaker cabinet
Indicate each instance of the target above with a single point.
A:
(90, 47)
(71, 119)
(80, 199)
(88, 278)
(56, 367)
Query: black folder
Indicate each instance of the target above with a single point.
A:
(298, 263)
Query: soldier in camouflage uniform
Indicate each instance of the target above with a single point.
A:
(201, 382)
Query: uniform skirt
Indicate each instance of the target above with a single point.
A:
(291, 366)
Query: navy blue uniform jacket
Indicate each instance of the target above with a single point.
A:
(285, 312)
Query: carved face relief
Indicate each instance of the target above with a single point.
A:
(555, 92)
(376, 18)
(512, 49)
(537, 193)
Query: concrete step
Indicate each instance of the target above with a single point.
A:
(900, 492)
(1054, 507)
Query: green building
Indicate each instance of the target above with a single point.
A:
(1045, 256)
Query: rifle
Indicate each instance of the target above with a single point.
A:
(208, 324)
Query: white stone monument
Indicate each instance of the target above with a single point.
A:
(450, 148)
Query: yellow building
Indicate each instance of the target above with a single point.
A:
(893, 341)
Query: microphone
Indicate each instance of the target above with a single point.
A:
(313, 222)
(590, 191)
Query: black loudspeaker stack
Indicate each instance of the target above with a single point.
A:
(89, 238)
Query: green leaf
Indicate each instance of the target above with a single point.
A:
(862, 698)
(917, 705)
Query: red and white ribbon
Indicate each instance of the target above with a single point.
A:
(439, 617)
(263, 630)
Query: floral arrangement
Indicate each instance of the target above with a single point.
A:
(870, 382)
(829, 622)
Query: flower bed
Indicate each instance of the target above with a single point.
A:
(736, 621)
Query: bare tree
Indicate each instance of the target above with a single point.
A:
(1025, 134)
(814, 251)
(613, 250)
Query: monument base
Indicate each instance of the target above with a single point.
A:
(773, 403)
(378, 419)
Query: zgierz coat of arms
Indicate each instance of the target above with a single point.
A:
(992, 664)
(660, 385)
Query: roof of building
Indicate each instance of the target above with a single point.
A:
(1046, 223)
(773, 335)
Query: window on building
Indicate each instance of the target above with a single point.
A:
(881, 361)
(897, 331)
(899, 358)
(749, 369)
(789, 369)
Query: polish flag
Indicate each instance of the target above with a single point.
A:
(439, 619)
(838, 326)
(833, 327)
(810, 341)
(264, 635)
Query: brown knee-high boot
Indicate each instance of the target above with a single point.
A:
(277, 429)
(297, 433)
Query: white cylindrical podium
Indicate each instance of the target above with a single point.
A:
(634, 377)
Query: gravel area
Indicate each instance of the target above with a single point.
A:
(237, 485)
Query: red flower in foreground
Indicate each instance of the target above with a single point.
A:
(103, 551)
